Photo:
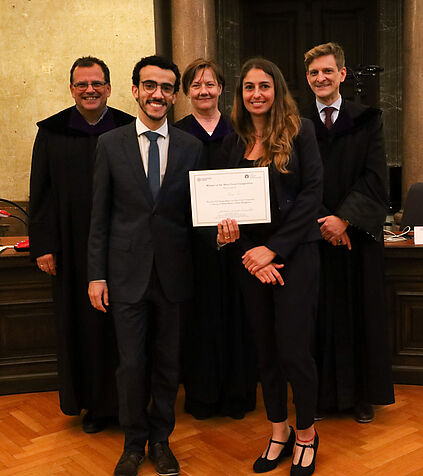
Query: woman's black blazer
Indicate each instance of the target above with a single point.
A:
(296, 196)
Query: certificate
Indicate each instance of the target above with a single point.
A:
(241, 194)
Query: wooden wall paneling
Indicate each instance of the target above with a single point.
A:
(404, 287)
(27, 328)
(284, 31)
(354, 25)
(277, 31)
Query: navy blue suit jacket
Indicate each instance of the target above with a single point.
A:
(129, 231)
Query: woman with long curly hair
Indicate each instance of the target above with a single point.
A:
(278, 262)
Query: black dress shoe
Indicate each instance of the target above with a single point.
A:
(128, 463)
(297, 469)
(163, 459)
(92, 424)
(363, 413)
(263, 465)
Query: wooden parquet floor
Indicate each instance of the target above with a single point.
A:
(37, 440)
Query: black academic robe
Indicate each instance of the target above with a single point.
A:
(211, 142)
(352, 346)
(218, 361)
(59, 217)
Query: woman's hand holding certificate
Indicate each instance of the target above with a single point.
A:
(227, 231)
(242, 194)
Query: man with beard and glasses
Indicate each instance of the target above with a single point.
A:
(59, 217)
(139, 259)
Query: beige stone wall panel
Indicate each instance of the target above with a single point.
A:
(39, 41)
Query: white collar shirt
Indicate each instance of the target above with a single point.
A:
(336, 104)
(162, 143)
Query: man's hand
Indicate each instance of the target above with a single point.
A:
(333, 229)
(341, 240)
(227, 231)
(270, 274)
(99, 294)
(47, 264)
(256, 258)
(332, 226)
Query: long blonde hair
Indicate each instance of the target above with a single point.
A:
(283, 122)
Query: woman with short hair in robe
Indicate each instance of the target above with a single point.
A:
(218, 362)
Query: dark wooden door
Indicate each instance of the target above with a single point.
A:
(284, 30)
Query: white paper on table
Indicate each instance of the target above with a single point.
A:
(418, 235)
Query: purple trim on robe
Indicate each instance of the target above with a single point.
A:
(192, 126)
(78, 123)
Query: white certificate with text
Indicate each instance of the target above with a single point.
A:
(241, 194)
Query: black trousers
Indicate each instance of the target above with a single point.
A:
(282, 319)
(147, 377)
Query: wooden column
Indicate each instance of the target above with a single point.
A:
(193, 35)
(412, 94)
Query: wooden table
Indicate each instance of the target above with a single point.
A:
(28, 360)
(27, 330)
(404, 288)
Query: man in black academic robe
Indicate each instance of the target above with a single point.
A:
(352, 351)
(59, 217)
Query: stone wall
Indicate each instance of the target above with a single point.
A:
(39, 41)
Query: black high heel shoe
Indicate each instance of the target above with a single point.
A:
(297, 469)
(263, 465)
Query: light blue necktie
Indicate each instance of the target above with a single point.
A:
(153, 163)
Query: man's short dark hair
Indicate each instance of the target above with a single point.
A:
(87, 62)
(161, 62)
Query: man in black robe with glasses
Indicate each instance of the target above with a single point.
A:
(59, 217)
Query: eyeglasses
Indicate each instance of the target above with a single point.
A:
(150, 86)
(83, 85)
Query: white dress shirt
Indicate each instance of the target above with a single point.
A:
(162, 143)
(336, 104)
